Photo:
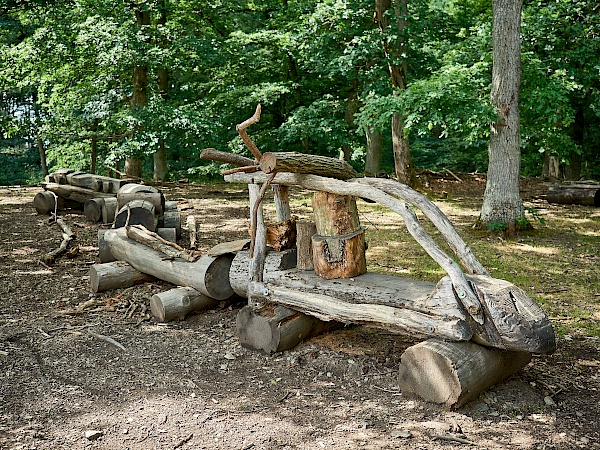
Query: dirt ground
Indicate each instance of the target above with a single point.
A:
(190, 385)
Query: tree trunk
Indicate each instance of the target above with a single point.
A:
(139, 96)
(501, 201)
(162, 76)
(373, 156)
(94, 147)
(395, 51)
(42, 150)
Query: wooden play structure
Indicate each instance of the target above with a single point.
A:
(305, 277)
(480, 329)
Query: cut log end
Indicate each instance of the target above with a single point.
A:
(178, 302)
(454, 373)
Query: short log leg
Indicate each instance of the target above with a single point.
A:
(115, 275)
(178, 302)
(276, 329)
(171, 218)
(92, 209)
(305, 230)
(109, 210)
(454, 373)
(168, 234)
(103, 249)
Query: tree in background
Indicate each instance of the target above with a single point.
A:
(502, 201)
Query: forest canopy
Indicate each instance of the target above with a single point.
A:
(90, 83)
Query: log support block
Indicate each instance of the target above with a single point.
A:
(454, 373)
(276, 328)
(178, 302)
(115, 275)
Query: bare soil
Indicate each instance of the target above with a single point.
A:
(189, 384)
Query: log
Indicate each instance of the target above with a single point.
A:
(282, 202)
(228, 158)
(109, 210)
(171, 218)
(137, 212)
(78, 194)
(103, 249)
(454, 373)
(94, 182)
(305, 163)
(92, 209)
(168, 234)
(46, 202)
(282, 236)
(60, 176)
(208, 275)
(192, 232)
(588, 195)
(156, 198)
(178, 302)
(150, 239)
(131, 188)
(115, 275)
(274, 262)
(335, 214)
(395, 320)
(276, 329)
(305, 230)
(338, 248)
(339, 256)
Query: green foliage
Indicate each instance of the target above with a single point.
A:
(497, 226)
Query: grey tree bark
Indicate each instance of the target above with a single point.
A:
(373, 154)
(502, 202)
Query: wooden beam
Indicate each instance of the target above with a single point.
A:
(304, 163)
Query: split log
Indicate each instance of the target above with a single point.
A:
(109, 210)
(94, 182)
(103, 249)
(209, 275)
(392, 319)
(274, 262)
(339, 256)
(228, 158)
(304, 232)
(588, 195)
(338, 248)
(92, 209)
(156, 198)
(232, 247)
(78, 194)
(454, 373)
(192, 232)
(178, 302)
(115, 275)
(282, 236)
(305, 163)
(276, 329)
(46, 202)
(137, 212)
(150, 239)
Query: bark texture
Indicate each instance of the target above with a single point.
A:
(502, 202)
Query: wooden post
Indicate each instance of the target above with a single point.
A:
(259, 251)
(454, 373)
(92, 209)
(115, 275)
(339, 245)
(305, 230)
(191, 227)
(178, 302)
(171, 218)
(282, 202)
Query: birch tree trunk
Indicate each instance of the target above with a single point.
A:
(502, 202)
